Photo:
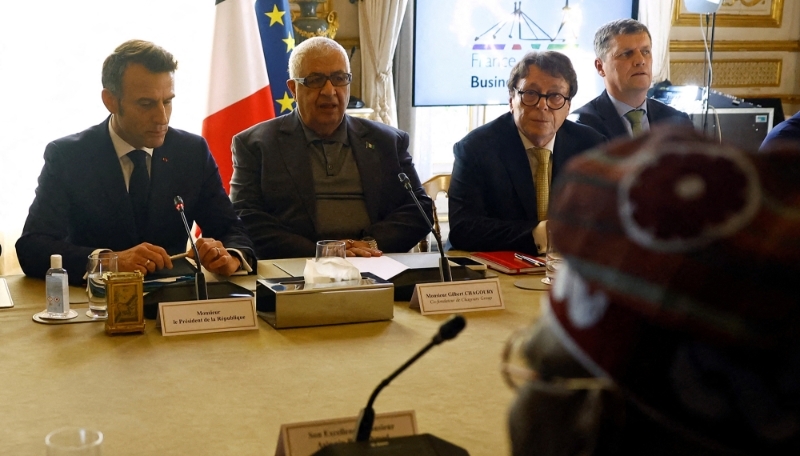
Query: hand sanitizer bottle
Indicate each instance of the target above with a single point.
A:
(57, 288)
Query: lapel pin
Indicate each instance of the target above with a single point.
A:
(165, 159)
(370, 145)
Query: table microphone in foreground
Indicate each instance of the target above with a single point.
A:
(199, 278)
(447, 331)
(444, 265)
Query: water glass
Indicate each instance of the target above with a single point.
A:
(331, 249)
(74, 441)
(553, 260)
(99, 264)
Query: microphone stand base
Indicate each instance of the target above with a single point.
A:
(417, 445)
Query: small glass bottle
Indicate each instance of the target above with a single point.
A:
(57, 288)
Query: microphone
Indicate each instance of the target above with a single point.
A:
(366, 419)
(201, 291)
(444, 266)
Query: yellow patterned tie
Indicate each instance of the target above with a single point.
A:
(634, 116)
(542, 182)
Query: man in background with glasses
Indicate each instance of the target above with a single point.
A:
(625, 62)
(500, 187)
(318, 173)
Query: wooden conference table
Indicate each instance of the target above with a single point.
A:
(229, 393)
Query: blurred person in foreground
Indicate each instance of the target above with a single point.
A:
(674, 325)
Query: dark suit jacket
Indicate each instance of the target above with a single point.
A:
(492, 195)
(788, 130)
(272, 187)
(82, 204)
(601, 115)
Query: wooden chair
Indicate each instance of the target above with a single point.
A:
(433, 186)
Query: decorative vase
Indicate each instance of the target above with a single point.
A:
(308, 24)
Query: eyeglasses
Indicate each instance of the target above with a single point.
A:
(318, 80)
(553, 101)
(517, 372)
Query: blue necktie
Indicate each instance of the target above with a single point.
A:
(139, 188)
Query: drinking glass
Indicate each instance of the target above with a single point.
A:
(99, 264)
(74, 441)
(553, 260)
(331, 249)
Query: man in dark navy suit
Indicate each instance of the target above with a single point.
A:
(502, 172)
(625, 61)
(112, 186)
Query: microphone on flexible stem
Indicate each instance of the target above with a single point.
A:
(199, 278)
(447, 331)
(444, 265)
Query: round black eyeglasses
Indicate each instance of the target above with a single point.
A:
(553, 101)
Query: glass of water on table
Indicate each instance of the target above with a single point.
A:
(553, 260)
(98, 266)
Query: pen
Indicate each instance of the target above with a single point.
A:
(528, 259)
(178, 256)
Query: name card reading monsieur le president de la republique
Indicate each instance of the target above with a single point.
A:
(461, 296)
(206, 316)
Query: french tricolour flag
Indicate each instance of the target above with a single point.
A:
(249, 38)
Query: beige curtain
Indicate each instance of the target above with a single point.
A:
(379, 27)
(657, 16)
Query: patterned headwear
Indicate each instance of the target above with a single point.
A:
(682, 280)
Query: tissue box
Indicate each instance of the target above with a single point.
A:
(291, 303)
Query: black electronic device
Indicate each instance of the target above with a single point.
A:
(185, 291)
(745, 128)
(444, 265)
(680, 96)
(417, 445)
(201, 290)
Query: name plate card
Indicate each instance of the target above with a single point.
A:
(207, 316)
(305, 439)
(462, 296)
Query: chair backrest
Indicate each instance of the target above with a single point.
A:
(437, 184)
(433, 186)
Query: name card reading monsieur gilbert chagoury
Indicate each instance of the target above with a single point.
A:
(207, 316)
(305, 439)
(461, 296)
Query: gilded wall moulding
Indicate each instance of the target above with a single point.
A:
(736, 46)
(735, 13)
(728, 73)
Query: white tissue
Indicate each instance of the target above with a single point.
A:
(330, 269)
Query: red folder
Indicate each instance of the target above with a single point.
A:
(504, 261)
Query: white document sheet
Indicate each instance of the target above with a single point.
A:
(382, 266)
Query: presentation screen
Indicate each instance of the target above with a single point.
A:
(464, 50)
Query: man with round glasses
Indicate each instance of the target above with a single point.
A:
(500, 188)
(625, 62)
(318, 173)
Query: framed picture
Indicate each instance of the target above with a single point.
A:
(735, 13)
